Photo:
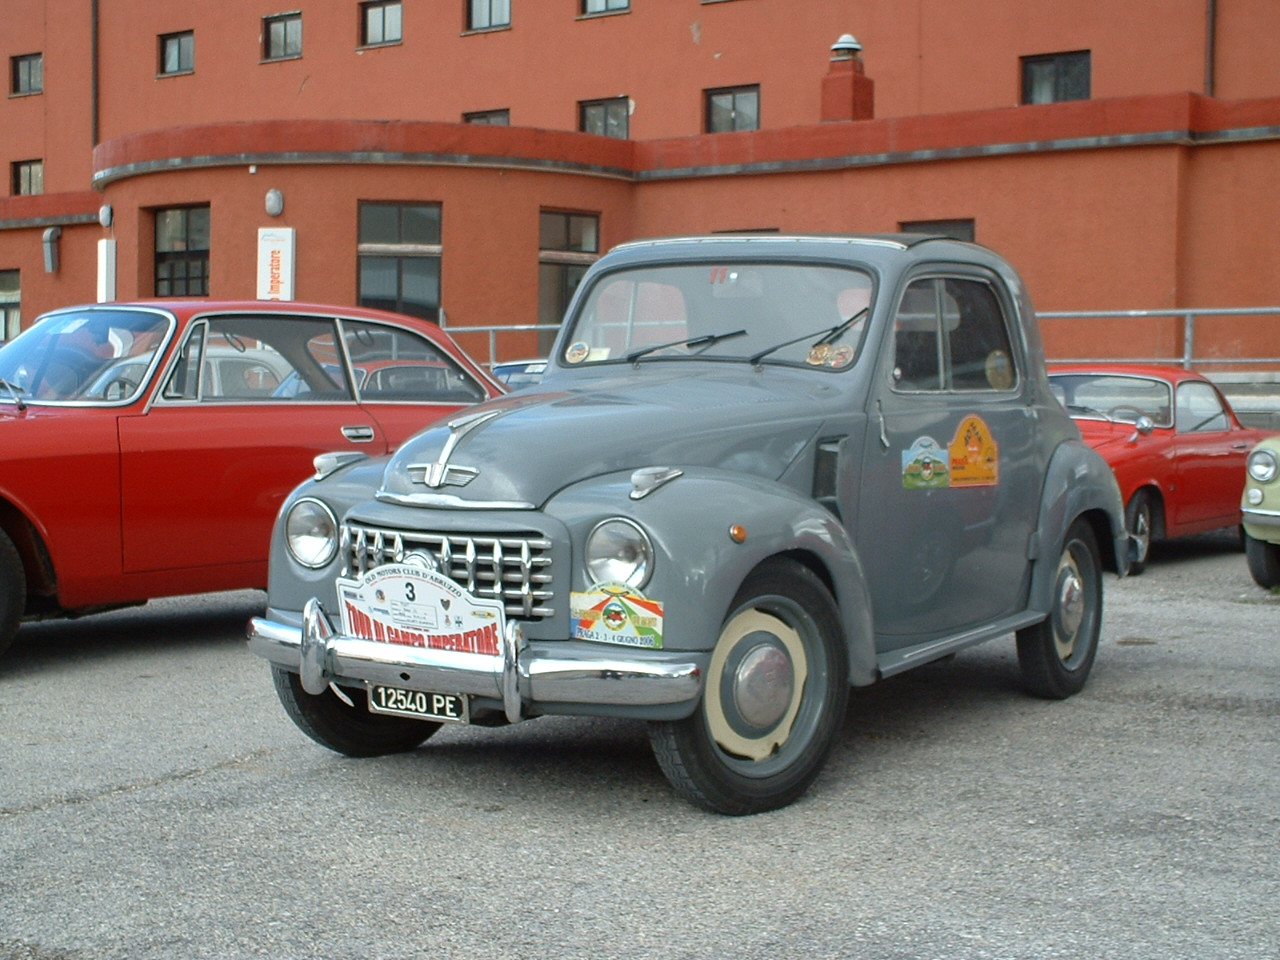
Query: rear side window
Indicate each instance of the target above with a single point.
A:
(951, 333)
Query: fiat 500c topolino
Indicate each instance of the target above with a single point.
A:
(757, 471)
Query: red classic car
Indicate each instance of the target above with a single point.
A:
(1172, 440)
(145, 447)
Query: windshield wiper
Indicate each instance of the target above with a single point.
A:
(12, 390)
(825, 336)
(705, 340)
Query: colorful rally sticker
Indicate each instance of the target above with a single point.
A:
(975, 455)
(616, 613)
(924, 466)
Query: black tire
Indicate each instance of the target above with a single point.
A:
(13, 591)
(1137, 520)
(1264, 561)
(1057, 654)
(775, 698)
(348, 729)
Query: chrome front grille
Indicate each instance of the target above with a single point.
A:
(514, 569)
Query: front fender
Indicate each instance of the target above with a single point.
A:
(698, 567)
(1078, 483)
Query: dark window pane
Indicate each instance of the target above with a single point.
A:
(27, 74)
(498, 118)
(381, 23)
(1056, 77)
(379, 223)
(420, 224)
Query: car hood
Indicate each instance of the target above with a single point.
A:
(524, 447)
(1108, 435)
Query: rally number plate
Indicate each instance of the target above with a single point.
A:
(442, 707)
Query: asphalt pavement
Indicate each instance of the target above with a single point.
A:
(156, 803)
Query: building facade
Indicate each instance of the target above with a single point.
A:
(472, 157)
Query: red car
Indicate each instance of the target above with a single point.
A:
(145, 447)
(1172, 440)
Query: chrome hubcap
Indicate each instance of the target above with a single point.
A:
(1070, 608)
(762, 686)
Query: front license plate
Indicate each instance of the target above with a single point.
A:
(445, 707)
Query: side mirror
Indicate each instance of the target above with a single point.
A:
(1142, 426)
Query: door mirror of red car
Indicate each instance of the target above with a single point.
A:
(1143, 425)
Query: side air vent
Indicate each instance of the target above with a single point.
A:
(826, 474)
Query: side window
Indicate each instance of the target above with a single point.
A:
(259, 359)
(978, 339)
(392, 364)
(950, 334)
(1200, 409)
(917, 352)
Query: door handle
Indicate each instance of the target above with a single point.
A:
(359, 433)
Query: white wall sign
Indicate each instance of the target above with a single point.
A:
(275, 263)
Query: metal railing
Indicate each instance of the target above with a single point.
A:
(1186, 317)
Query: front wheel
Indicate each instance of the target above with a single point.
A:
(1137, 517)
(13, 591)
(1057, 654)
(775, 697)
(1264, 561)
(348, 728)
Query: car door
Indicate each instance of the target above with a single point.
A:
(231, 430)
(951, 489)
(1209, 452)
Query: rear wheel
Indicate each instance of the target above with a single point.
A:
(13, 591)
(775, 697)
(1137, 518)
(1264, 561)
(1057, 654)
(348, 728)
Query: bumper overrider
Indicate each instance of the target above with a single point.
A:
(548, 674)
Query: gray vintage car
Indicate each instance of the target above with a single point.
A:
(759, 470)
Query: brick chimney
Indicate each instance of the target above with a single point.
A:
(847, 92)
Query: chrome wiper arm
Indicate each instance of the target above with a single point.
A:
(825, 335)
(706, 340)
(12, 390)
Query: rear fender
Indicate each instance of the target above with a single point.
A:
(1078, 483)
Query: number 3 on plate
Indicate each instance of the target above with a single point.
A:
(409, 593)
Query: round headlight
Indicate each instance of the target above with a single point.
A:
(1262, 465)
(311, 533)
(618, 551)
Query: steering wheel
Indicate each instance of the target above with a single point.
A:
(119, 388)
(1114, 412)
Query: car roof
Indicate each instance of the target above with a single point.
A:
(1158, 371)
(192, 306)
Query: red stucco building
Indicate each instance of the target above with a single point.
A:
(474, 155)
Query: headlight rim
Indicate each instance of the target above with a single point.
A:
(1263, 465)
(643, 538)
(330, 552)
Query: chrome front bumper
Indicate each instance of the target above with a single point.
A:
(525, 674)
(1266, 522)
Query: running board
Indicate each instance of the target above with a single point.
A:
(904, 658)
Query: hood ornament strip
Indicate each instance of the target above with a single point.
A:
(442, 473)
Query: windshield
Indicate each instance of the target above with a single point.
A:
(95, 355)
(793, 313)
(1114, 397)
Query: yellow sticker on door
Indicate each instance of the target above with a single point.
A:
(975, 456)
